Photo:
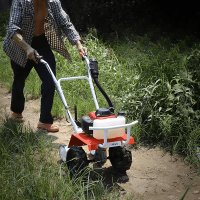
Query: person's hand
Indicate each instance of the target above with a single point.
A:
(82, 50)
(32, 54)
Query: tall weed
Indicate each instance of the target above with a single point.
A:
(162, 91)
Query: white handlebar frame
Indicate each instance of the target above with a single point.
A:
(61, 94)
(105, 129)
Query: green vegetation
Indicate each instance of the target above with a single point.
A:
(29, 169)
(164, 94)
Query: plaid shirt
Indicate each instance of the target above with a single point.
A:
(57, 26)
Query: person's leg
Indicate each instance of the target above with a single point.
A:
(47, 86)
(17, 97)
(47, 90)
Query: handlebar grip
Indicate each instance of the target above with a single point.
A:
(83, 56)
(37, 56)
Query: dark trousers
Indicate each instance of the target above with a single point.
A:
(47, 87)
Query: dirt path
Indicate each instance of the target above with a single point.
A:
(154, 174)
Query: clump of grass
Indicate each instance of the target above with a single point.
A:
(162, 84)
(29, 169)
(5, 69)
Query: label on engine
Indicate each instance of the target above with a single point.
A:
(114, 144)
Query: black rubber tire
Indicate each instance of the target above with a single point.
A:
(120, 158)
(76, 160)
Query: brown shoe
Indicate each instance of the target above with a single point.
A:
(48, 127)
(17, 117)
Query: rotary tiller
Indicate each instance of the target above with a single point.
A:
(103, 131)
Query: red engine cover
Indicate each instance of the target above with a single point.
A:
(93, 116)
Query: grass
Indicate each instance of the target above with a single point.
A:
(162, 90)
(29, 169)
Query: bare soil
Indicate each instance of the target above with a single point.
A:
(154, 174)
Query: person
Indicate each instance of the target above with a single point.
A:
(35, 28)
